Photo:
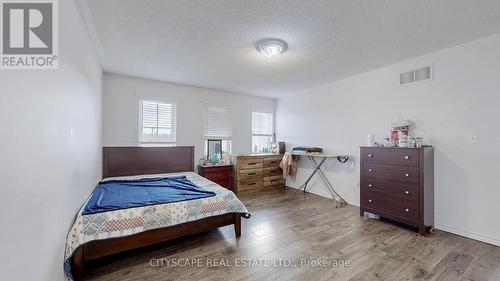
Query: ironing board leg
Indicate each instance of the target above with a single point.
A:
(326, 181)
(316, 169)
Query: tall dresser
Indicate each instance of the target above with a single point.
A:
(398, 184)
(254, 172)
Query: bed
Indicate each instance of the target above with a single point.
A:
(105, 233)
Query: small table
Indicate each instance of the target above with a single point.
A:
(220, 174)
(339, 201)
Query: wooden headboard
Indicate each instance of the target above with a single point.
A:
(130, 161)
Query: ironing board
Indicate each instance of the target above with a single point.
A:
(339, 201)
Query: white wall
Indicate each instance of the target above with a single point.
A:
(50, 147)
(121, 95)
(463, 99)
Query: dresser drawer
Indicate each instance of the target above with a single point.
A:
(274, 183)
(398, 184)
(250, 163)
(250, 184)
(396, 192)
(399, 208)
(271, 162)
(270, 178)
(274, 171)
(391, 174)
(250, 173)
(396, 157)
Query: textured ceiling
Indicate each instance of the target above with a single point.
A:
(210, 43)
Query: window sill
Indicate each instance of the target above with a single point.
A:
(157, 144)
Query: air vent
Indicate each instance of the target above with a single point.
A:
(423, 73)
(420, 74)
(406, 77)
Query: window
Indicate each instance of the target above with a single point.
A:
(157, 122)
(218, 127)
(262, 131)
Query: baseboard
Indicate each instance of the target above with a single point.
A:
(468, 234)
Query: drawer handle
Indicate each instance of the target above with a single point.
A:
(274, 180)
(370, 200)
(273, 162)
(407, 210)
(407, 157)
(252, 163)
(407, 175)
(370, 185)
(251, 174)
(370, 170)
(407, 192)
(370, 155)
(253, 183)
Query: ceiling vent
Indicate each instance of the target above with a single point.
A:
(420, 74)
(406, 77)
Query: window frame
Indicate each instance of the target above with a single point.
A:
(149, 142)
(260, 134)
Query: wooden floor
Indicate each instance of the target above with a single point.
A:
(288, 227)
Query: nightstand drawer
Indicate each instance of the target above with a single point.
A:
(222, 175)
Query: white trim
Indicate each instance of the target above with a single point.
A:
(152, 142)
(468, 234)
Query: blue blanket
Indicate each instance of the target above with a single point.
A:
(124, 194)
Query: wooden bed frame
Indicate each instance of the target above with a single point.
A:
(129, 161)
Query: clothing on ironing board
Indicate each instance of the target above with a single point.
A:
(289, 164)
(308, 149)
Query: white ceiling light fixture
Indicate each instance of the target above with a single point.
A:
(271, 47)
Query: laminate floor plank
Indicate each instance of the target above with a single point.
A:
(288, 229)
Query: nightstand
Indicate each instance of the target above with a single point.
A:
(220, 174)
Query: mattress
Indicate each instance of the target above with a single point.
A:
(125, 222)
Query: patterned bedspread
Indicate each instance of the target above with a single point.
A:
(126, 222)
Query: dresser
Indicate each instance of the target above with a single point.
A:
(398, 184)
(220, 174)
(254, 172)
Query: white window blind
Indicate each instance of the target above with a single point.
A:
(158, 121)
(262, 131)
(217, 123)
(262, 123)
